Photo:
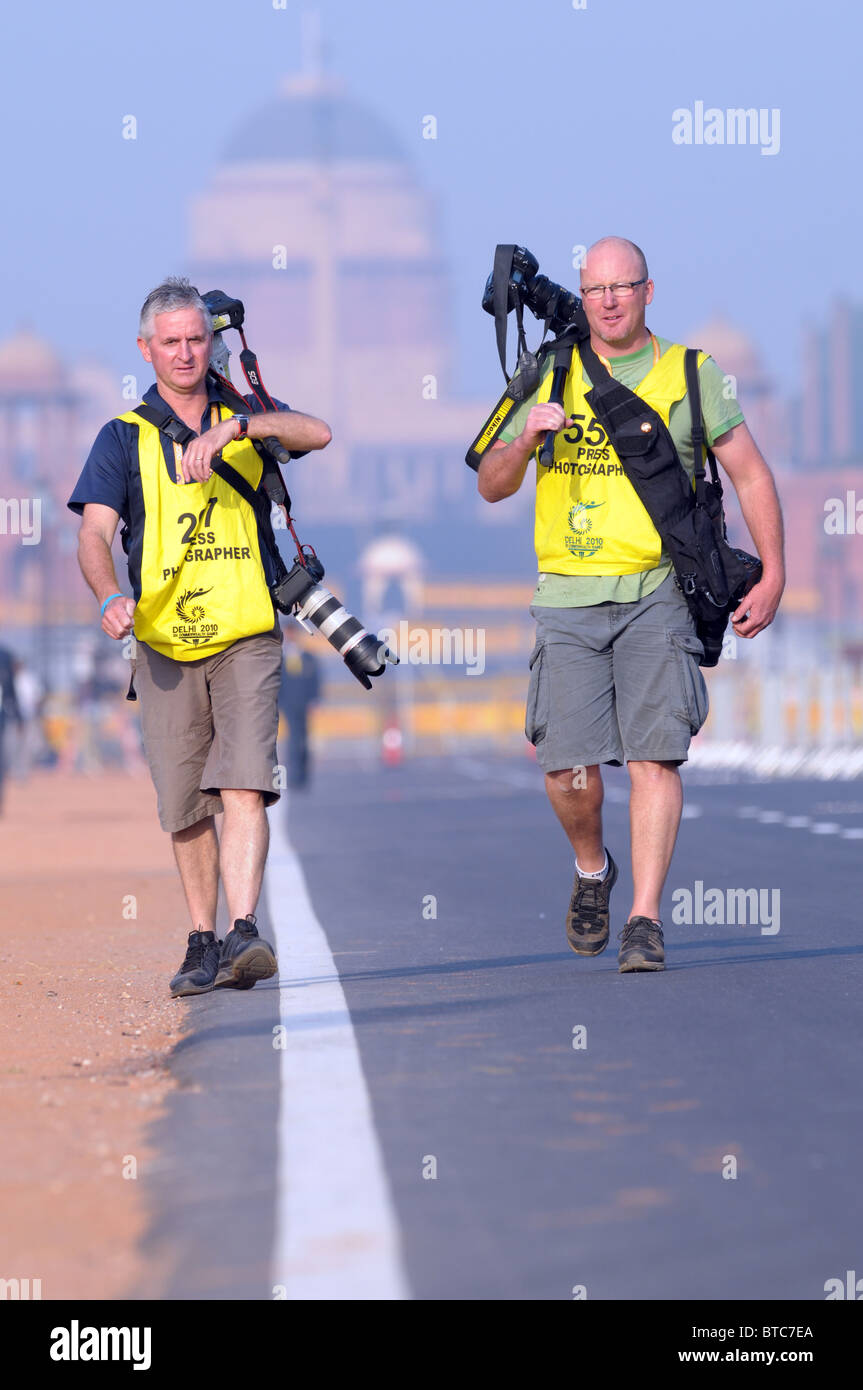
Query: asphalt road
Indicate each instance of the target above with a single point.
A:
(545, 1124)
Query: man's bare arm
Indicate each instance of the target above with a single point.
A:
(292, 429)
(753, 482)
(98, 528)
(501, 472)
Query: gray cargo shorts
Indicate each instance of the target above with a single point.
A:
(210, 724)
(615, 682)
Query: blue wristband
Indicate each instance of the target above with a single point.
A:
(108, 600)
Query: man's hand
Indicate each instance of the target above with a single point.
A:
(758, 608)
(753, 482)
(196, 465)
(541, 419)
(501, 472)
(119, 617)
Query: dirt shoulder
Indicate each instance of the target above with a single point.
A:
(92, 926)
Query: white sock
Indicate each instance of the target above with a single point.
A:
(596, 873)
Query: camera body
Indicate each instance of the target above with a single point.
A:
(545, 299)
(301, 593)
(288, 592)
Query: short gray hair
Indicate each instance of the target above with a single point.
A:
(175, 292)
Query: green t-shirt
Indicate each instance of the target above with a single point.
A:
(720, 411)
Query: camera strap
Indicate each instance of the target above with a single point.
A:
(693, 391)
(618, 409)
(690, 521)
(271, 479)
(180, 434)
(501, 272)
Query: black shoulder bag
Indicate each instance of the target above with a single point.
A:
(713, 576)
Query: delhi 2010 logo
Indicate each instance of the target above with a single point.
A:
(582, 543)
(192, 628)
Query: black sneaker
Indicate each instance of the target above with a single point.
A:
(198, 971)
(587, 918)
(246, 957)
(641, 946)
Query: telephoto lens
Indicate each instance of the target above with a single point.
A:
(363, 653)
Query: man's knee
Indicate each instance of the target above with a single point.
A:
(241, 798)
(575, 779)
(644, 770)
(193, 831)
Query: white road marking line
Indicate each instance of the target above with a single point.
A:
(818, 827)
(336, 1231)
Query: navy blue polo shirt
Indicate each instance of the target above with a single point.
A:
(111, 477)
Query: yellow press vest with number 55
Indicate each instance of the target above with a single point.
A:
(589, 518)
(202, 581)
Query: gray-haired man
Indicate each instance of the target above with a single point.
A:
(208, 655)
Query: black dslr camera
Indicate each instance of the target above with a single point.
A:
(515, 283)
(545, 300)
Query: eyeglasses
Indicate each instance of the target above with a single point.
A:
(621, 290)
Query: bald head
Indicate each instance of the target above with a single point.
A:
(616, 318)
(613, 258)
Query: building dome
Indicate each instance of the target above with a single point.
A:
(734, 352)
(314, 121)
(730, 346)
(28, 361)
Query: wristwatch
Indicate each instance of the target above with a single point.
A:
(243, 421)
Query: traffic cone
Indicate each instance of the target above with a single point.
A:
(392, 743)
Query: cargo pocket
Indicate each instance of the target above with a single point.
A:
(536, 716)
(691, 702)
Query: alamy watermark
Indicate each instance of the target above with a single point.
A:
(437, 646)
(77, 1343)
(850, 1287)
(719, 907)
(17, 1290)
(844, 516)
(21, 516)
(737, 125)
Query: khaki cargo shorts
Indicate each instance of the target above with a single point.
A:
(210, 724)
(615, 682)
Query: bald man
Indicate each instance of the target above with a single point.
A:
(615, 674)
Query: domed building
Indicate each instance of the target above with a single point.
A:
(739, 358)
(315, 219)
(38, 414)
(30, 369)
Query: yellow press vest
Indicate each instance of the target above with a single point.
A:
(589, 518)
(202, 581)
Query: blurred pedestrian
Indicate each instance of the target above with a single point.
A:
(9, 709)
(300, 688)
(29, 692)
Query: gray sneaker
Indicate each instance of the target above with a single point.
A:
(641, 946)
(587, 918)
(245, 957)
(198, 971)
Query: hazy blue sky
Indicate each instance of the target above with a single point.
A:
(554, 127)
